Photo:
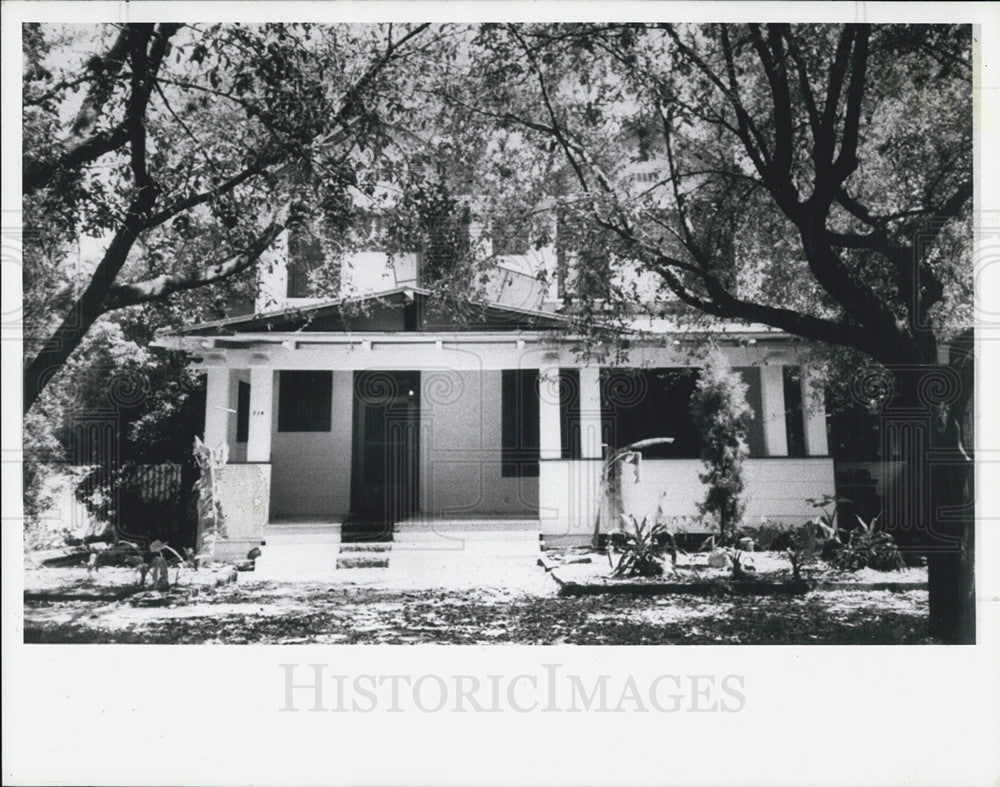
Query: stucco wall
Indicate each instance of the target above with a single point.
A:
(311, 471)
(244, 498)
(568, 503)
(461, 447)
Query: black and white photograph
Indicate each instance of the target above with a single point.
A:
(517, 327)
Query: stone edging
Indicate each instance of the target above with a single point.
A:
(757, 587)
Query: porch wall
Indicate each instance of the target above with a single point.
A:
(777, 488)
(460, 448)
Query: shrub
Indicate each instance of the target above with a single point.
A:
(641, 548)
(42, 456)
(807, 543)
(720, 411)
(867, 547)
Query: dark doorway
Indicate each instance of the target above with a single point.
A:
(386, 448)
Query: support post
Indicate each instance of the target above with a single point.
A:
(217, 407)
(591, 423)
(772, 397)
(549, 425)
(261, 396)
(814, 413)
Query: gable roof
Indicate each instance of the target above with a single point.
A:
(397, 310)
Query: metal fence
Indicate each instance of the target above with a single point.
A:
(144, 502)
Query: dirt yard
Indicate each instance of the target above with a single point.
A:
(64, 605)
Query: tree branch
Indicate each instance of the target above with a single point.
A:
(554, 127)
(724, 305)
(138, 100)
(161, 287)
(838, 72)
(105, 71)
(688, 235)
(773, 61)
(847, 160)
(88, 306)
(38, 173)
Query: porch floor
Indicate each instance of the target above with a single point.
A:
(425, 553)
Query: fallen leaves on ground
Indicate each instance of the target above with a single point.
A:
(271, 613)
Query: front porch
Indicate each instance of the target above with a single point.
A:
(397, 416)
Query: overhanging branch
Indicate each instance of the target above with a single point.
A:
(161, 287)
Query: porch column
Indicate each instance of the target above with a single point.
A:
(772, 399)
(549, 426)
(217, 408)
(814, 413)
(261, 395)
(591, 432)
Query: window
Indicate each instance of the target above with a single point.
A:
(755, 424)
(794, 426)
(647, 176)
(305, 254)
(242, 412)
(304, 401)
(519, 423)
(569, 412)
(373, 228)
(512, 237)
(643, 403)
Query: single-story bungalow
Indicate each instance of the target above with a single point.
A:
(397, 413)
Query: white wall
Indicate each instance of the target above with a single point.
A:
(363, 272)
(311, 471)
(777, 488)
(461, 448)
(568, 508)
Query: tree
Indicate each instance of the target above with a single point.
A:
(813, 178)
(720, 411)
(189, 151)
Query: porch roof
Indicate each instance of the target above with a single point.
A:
(408, 305)
(405, 311)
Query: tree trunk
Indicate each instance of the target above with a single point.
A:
(931, 507)
(88, 307)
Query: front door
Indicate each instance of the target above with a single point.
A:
(384, 466)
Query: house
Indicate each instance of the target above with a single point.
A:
(379, 407)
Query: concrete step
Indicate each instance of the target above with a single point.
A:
(360, 560)
(302, 529)
(505, 525)
(375, 546)
(466, 546)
